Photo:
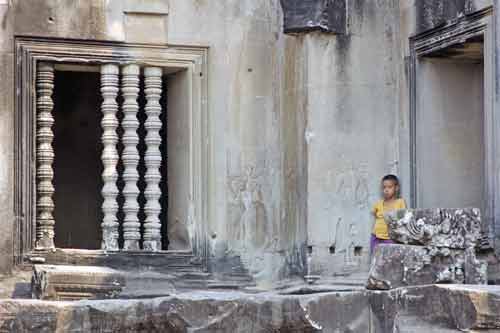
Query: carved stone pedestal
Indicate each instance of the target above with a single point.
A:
(398, 265)
(68, 283)
(444, 249)
(444, 227)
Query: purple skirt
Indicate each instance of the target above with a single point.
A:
(374, 242)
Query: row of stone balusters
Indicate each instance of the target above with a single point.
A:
(45, 157)
(130, 157)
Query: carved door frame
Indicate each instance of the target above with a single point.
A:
(480, 23)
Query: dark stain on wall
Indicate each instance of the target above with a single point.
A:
(361, 12)
(435, 13)
(315, 15)
(342, 47)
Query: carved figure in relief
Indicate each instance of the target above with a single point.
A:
(352, 183)
(236, 187)
(250, 228)
(347, 201)
(350, 263)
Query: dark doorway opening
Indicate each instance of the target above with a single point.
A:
(77, 166)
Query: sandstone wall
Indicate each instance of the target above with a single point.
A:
(301, 126)
(250, 138)
(351, 132)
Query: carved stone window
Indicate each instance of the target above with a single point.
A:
(92, 137)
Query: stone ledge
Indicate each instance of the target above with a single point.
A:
(449, 308)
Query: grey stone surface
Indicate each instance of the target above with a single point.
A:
(403, 310)
(475, 270)
(309, 15)
(62, 282)
(347, 89)
(438, 308)
(444, 251)
(450, 228)
(7, 132)
(396, 265)
(290, 132)
(435, 13)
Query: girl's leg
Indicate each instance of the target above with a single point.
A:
(373, 243)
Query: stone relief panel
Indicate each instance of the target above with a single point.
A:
(252, 230)
(351, 184)
(247, 210)
(348, 191)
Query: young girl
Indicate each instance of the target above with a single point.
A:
(390, 188)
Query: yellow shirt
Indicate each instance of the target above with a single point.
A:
(380, 229)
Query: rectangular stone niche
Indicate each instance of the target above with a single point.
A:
(69, 283)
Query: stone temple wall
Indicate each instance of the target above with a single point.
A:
(351, 131)
(248, 122)
(420, 18)
(301, 126)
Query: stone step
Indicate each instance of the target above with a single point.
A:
(158, 261)
(68, 283)
(72, 282)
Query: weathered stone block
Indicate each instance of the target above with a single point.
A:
(437, 309)
(451, 228)
(396, 265)
(433, 13)
(476, 271)
(51, 282)
(308, 15)
(430, 309)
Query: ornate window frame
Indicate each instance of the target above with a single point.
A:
(30, 50)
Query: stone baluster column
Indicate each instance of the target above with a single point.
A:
(44, 157)
(152, 225)
(109, 124)
(130, 156)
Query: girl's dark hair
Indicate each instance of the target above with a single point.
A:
(391, 177)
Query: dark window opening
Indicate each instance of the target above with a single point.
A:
(77, 164)
(77, 161)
